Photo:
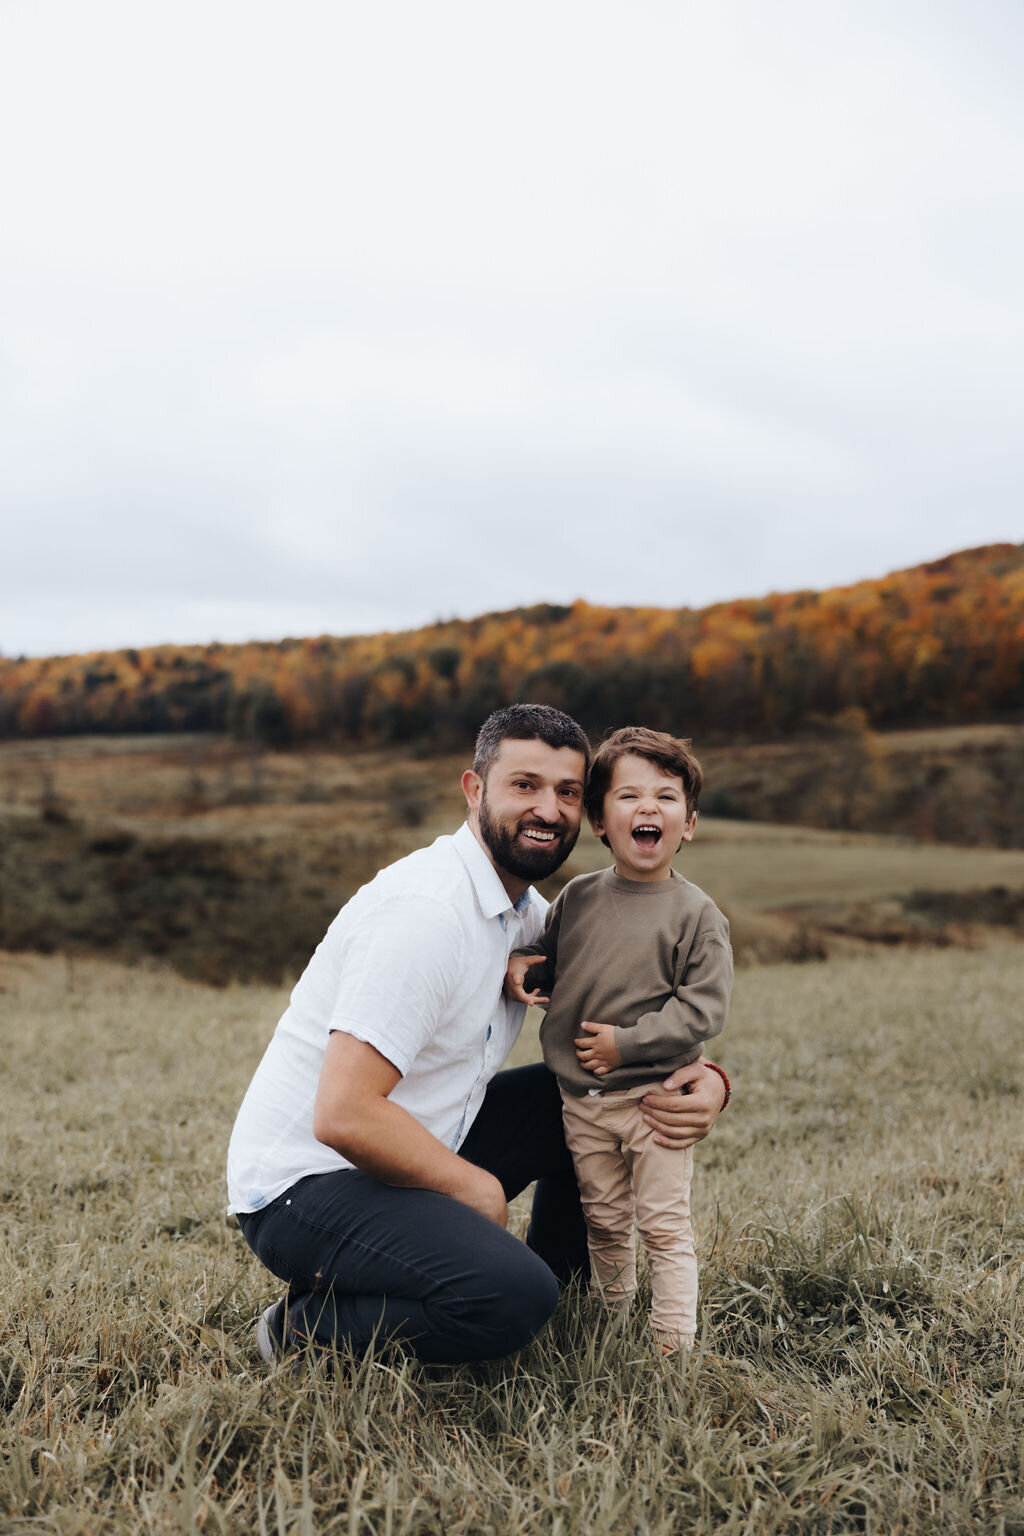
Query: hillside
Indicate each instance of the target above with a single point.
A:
(227, 862)
(941, 643)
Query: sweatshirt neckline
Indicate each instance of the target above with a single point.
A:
(642, 887)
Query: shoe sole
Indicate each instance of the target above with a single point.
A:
(266, 1339)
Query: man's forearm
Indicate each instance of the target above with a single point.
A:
(354, 1115)
(384, 1140)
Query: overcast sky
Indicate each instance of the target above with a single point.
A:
(326, 317)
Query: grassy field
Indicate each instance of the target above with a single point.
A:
(861, 1358)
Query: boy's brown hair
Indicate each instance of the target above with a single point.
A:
(672, 754)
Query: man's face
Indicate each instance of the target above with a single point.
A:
(527, 813)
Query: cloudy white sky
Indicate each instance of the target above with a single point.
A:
(325, 317)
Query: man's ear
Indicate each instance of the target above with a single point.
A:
(472, 788)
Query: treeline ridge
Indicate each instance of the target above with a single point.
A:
(940, 643)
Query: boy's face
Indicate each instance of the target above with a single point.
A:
(644, 817)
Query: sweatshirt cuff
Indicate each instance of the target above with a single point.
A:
(628, 1048)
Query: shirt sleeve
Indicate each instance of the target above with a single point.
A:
(399, 971)
(697, 1009)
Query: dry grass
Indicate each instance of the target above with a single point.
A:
(860, 1366)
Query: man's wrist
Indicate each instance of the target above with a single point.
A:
(713, 1067)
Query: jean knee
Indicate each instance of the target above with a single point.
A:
(540, 1297)
(525, 1299)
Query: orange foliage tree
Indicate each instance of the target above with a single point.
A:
(942, 642)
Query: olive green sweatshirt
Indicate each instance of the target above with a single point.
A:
(651, 958)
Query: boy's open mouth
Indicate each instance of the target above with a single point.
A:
(647, 836)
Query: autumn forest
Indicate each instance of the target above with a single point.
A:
(940, 643)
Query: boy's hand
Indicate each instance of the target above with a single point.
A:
(515, 977)
(596, 1050)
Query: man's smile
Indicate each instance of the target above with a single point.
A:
(539, 834)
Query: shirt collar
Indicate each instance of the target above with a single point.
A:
(490, 893)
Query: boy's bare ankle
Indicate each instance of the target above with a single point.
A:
(669, 1341)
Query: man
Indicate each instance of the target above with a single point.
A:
(376, 1149)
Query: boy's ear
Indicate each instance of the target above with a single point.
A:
(690, 828)
(597, 827)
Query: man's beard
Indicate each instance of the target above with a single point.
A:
(523, 861)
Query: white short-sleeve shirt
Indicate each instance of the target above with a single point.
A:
(413, 965)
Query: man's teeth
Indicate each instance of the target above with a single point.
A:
(537, 835)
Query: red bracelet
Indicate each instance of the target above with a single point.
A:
(728, 1090)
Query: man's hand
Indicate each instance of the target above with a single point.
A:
(515, 979)
(683, 1119)
(596, 1050)
(483, 1193)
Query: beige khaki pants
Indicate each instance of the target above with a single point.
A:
(622, 1171)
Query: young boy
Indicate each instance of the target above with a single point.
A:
(637, 969)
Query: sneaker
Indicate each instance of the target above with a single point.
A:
(270, 1332)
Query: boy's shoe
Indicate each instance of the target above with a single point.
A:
(270, 1332)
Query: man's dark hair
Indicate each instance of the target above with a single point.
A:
(672, 754)
(527, 722)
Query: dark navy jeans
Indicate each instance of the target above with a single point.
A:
(367, 1261)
